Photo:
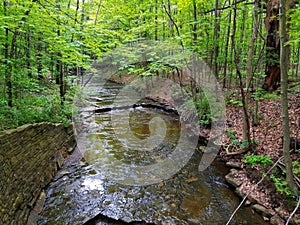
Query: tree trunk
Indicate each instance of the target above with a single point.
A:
(246, 122)
(28, 54)
(216, 39)
(226, 48)
(272, 70)
(59, 66)
(284, 99)
(39, 59)
(98, 11)
(168, 12)
(156, 21)
(171, 24)
(6, 56)
(249, 67)
(194, 26)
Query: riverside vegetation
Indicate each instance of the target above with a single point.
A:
(48, 45)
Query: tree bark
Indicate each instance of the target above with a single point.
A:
(194, 27)
(97, 13)
(272, 69)
(246, 122)
(249, 66)
(284, 99)
(59, 65)
(6, 56)
(171, 20)
(28, 54)
(156, 21)
(226, 48)
(216, 40)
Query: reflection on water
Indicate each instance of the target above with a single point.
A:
(93, 184)
(129, 147)
(83, 190)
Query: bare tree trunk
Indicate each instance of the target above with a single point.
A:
(298, 60)
(240, 47)
(59, 66)
(171, 19)
(6, 55)
(171, 24)
(246, 122)
(216, 39)
(156, 21)
(249, 67)
(10, 70)
(226, 48)
(28, 55)
(194, 26)
(284, 99)
(39, 59)
(98, 11)
(272, 69)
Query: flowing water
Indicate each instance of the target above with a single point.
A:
(86, 191)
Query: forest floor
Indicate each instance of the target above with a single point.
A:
(269, 138)
(269, 135)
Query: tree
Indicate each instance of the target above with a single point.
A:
(272, 69)
(284, 98)
(246, 122)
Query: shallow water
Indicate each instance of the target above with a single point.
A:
(113, 145)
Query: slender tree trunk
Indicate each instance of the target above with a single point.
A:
(6, 53)
(59, 66)
(171, 24)
(216, 39)
(10, 68)
(246, 122)
(98, 11)
(226, 48)
(171, 19)
(298, 60)
(194, 27)
(28, 55)
(156, 20)
(241, 45)
(39, 59)
(249, 67)
(231, 63)
(284, 98)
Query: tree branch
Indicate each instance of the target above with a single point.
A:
(246, 196)
(294, 211)
(176, 27)
(228, 6)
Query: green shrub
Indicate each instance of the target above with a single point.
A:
(254, 160)
(281, 185)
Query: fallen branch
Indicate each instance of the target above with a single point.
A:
(294, 211)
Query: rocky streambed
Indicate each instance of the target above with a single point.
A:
(85, 191)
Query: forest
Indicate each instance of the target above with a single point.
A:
(252, 47)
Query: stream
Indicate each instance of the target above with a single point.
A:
(86, 191)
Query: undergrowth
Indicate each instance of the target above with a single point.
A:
(36, 107)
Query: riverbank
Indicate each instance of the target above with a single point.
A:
(245, 178)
